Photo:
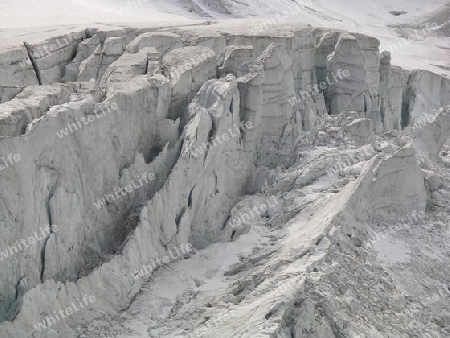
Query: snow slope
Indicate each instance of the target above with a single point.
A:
(367, 14)
(379, 18)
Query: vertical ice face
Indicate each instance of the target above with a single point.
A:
(140, 140)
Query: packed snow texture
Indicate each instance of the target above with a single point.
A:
(408, 36)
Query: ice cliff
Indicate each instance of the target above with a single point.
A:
(93, 111)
